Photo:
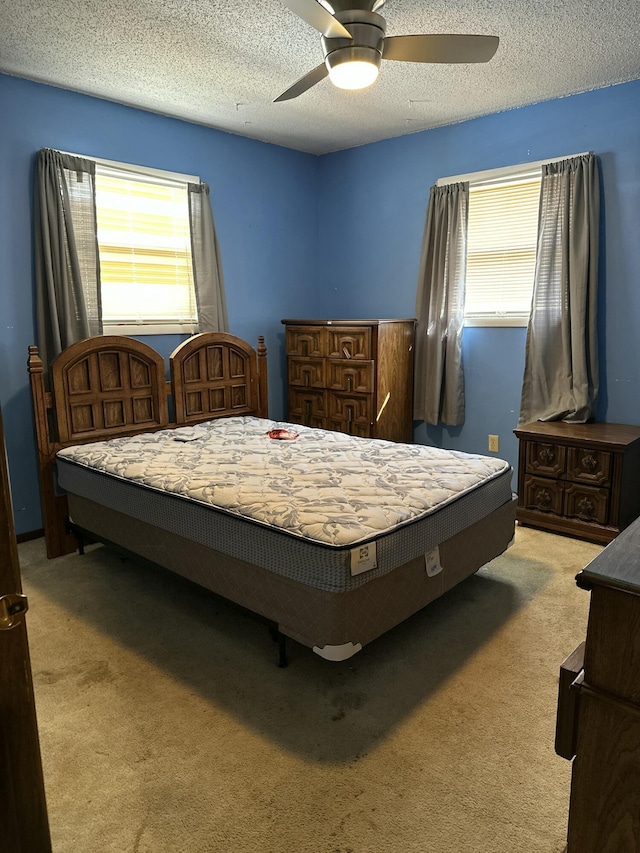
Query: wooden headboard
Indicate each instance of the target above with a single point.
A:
(111, 386)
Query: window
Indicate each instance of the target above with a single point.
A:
(502, 241)
(144, 245)
(501, 250)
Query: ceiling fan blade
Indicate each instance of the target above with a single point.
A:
(304, 83)
(440, 48)
(319, 18)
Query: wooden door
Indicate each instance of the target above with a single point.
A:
(24, 827)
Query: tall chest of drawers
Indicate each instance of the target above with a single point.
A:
(579, 479)
(598, 721)
(354, 376)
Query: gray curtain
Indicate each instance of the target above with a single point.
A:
(66, 252)
(439, 379)
(207, 267)
(561, 359)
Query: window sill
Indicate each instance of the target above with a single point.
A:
(150, 329)
(477, 322)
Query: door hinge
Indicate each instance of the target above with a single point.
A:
(12, 606)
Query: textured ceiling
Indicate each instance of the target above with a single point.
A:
(221, 64)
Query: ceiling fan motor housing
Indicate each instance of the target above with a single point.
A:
(368, 31)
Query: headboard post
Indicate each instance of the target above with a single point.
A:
(58, 539)
(263, 410)
(36, 380)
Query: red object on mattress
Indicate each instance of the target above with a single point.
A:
(283, 434)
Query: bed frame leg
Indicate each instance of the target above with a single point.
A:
(283, 660)
(78, 536)
(281, 639)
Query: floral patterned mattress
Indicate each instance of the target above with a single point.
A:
(322, 486)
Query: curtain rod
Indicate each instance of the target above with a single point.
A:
(140, 170)
(505, 171)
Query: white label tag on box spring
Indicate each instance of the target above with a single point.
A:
(363, 558)
(432, 562)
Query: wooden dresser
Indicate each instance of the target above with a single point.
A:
(579, 479)
(354, 376)
(599, 706)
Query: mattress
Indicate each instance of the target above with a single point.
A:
(329, 510)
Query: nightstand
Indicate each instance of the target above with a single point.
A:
(579, 479)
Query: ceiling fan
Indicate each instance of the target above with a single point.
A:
(354, 43)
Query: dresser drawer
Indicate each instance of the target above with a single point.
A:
(586, 503)
(547, 459)
(307, 372)
(305, 341)
(350, 409)
(542, 494)
(345, 342)
(352, 375)
(307, 407)
(589, 466)
(363, 430)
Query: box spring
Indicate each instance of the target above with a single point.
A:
(334, 624)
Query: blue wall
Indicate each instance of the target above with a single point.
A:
(264, 204)
(371, 218)
(333, 236)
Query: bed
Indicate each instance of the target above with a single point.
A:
(333, 539)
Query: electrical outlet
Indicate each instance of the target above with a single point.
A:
(494, 443)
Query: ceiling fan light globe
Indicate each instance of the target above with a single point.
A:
(353, 67)
(353, 75)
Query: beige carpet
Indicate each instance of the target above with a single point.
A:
(166, 725)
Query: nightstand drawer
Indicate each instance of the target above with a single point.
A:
(349, 342)
(586, 503)
(547, 459)
(543, 495)
(307, 372)
(589, 466)
(350, 375)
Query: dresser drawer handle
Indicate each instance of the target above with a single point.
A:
(547, 455)
(585, 507)
(543, 498)
(589, 463)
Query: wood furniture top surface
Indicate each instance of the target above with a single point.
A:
(608, 435)
(618, 565)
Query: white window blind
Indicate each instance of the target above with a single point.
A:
(145, 250)
(501, 250)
